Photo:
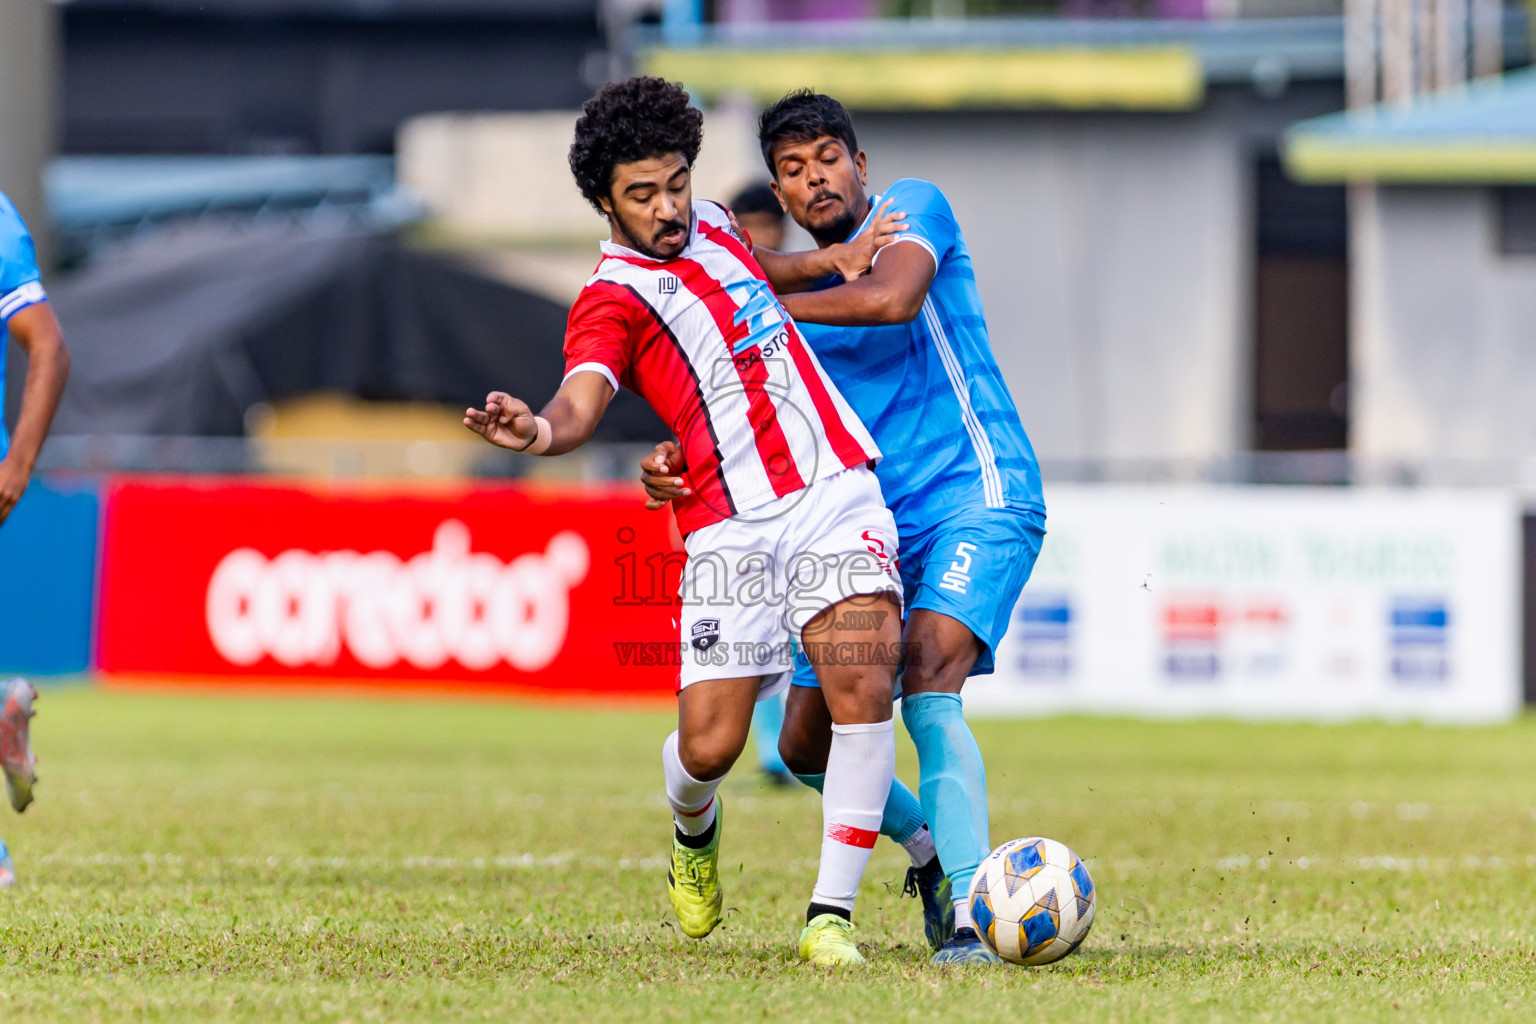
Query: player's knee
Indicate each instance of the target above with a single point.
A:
(860, 693)
(711, 755)
(931, 667)
(800, 757)
(876, 685)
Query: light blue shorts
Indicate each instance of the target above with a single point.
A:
(971, 567)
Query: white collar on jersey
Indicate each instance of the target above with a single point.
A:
(610, 248)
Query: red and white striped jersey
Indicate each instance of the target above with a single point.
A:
(703, 339)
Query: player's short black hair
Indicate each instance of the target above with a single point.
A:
(801, 116)
(757, 198)
(631, 120)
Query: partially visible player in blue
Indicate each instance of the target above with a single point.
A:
(26, 317)
(907, 345)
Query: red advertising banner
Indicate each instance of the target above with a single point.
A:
(560, 590)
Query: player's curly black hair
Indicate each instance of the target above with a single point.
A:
(631, 120)
(801, 116)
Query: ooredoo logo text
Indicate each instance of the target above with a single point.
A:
(448, 603)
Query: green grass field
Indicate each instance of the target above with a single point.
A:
(200, 858)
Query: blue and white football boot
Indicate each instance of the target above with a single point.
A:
(16, 758)
(965, 947)
(7, 870)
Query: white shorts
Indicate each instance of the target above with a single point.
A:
(752, 583)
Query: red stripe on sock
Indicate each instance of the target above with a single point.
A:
(701, 810)
(850, 836)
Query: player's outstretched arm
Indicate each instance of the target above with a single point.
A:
(563, 425)
(38, 334)
(891, 293)
(797, 271)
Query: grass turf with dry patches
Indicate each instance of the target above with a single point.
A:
(195, 858)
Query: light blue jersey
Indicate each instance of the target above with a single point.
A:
(958, 474)
(930, 390)
(20, 286)
(962, 481)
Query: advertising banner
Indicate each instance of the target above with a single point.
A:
(558, 590)
(1292, 603)
(48, 579)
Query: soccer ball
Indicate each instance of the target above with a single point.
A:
(1032, 901)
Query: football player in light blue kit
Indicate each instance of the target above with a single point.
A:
(26, 317)
(907, 345)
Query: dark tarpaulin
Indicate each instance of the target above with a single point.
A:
(187, 334)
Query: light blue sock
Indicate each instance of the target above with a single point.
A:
(767, 721)
(903, 814)
(951, 783)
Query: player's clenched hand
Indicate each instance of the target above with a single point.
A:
(505, 421)
(13, 484)
(657, 473)
(854, 258)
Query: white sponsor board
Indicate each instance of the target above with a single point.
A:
(1293, 603)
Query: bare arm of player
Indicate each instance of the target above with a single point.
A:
(38, 334)
(797, 271)
(891, 293)
(568, 420)
(657, 475)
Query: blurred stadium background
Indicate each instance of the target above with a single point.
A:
(1260, 274)
(288, 239)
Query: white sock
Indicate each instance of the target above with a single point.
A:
(963, 913)
(860, 768)
(693, 802)
(920, 848)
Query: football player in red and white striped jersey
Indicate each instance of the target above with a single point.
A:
(784, 524)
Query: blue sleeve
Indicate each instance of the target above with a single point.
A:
(20, 284)
(930, 221)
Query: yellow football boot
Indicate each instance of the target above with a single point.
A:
(693, 882)
(827, 941)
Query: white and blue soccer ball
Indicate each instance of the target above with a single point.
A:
(1032, 901)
